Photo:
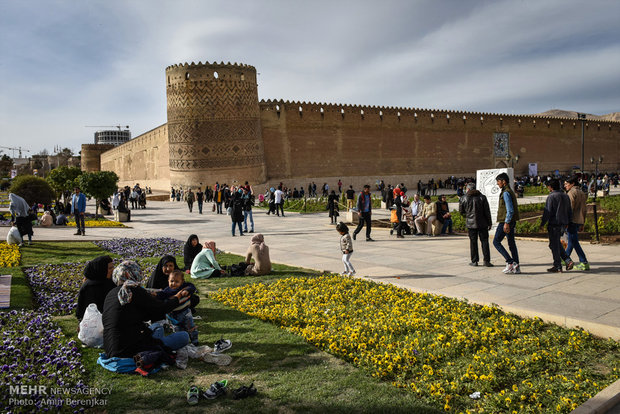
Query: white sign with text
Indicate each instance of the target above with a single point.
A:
(487, 185)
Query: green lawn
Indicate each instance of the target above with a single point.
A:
(290, 374)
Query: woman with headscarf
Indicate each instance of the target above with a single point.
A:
(18, 206)
(190, 250)
(126, 309)
(332, 206)
(205, 265)
(159, 277)
(20, 212)
(260, 252)
(97, 284)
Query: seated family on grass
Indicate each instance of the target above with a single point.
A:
(134, 317)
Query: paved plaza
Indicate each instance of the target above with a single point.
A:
(423, 264)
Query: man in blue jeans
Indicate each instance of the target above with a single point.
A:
(78, 208)
(507, 216)
(578, 205)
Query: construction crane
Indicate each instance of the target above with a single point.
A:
(107, 126)
(20, 149)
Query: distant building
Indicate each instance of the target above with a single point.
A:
(113, 137)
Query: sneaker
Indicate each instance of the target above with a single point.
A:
(516, 269)
(193, 394)
(508, 268)
(222, 345)
(352, 274)
(583, 266)
(216, 389)
(473, 264)
(345, 273)
(569, 265)
(554, 270)
(244, 392)
(217, 359)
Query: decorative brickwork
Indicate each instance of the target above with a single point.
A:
(213, 121)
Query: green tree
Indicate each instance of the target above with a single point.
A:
(32, 189)
(99, 185)
(63, 179)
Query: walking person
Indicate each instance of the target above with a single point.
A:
(578, 205)
(507, 216)
(218, 198)
(248, 203)
(279, 201)
(190, 198)
(364, 210)
(346, 246)
(78, 208)
(236, 214)
(200, 197)
(474, 206)
(332, 206)
(557, 215)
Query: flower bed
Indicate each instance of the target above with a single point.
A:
(34, 352)
(10, 255)
(440, 348)
(98, 223)
(55, 286)
(137, 248)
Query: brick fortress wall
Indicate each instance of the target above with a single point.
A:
(142, 160)
(330, 141)
(218, 131)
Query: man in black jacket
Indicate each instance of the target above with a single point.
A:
(475, 207)
(558, 214)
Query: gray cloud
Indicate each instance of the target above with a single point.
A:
(69, 64)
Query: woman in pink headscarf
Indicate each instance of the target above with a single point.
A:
(260, 252)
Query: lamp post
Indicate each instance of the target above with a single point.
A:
(595, 185)
(582, 117)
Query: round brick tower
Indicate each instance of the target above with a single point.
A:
(214, 127)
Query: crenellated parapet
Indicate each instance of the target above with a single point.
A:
(389, 114)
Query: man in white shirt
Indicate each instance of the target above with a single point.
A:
(279, 201)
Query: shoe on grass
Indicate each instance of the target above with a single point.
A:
(217, 389)
(217, 359)
(244, 392)
(193, 395)
(222, 345)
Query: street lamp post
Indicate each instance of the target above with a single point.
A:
(582, 117)
(595, 185)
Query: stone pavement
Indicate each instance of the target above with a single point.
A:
(437, 265)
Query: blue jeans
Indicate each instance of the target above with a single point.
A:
(497, 242)
(233, 228)
(573, 243)
(200, 207)
(183, 321)
(447, 225)
(247, 214)
(173, 341)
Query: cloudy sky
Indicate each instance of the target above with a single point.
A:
(67, 64)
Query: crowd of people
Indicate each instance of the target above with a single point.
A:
(134, 315)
